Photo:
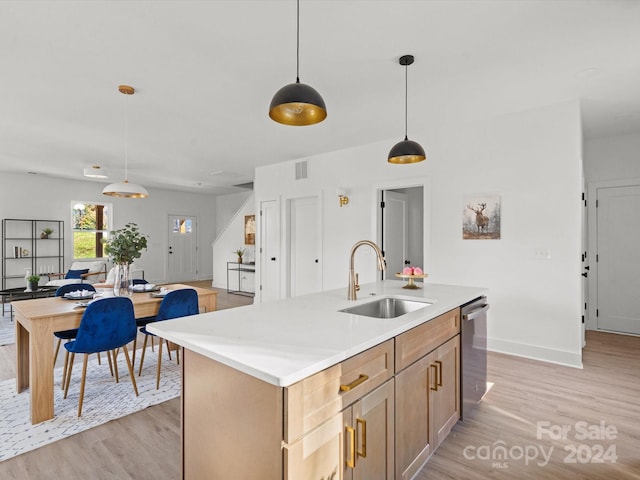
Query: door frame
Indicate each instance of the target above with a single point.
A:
(592, 246)
(376, 192)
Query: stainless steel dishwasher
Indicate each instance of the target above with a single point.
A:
(473, 353)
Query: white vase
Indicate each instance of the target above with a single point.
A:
(122, 280)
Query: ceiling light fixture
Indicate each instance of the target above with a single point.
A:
(95, 171)
(124, 188)
(297, 104)
(406, 151)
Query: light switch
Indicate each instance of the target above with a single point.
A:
(542, 253)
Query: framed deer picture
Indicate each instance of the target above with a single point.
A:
(481, 217)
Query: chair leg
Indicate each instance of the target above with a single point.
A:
(168, 348)
(99, 361)
(144, 347)
(64, 369)
(133, 354)
(159, 363)
(84, 377)
(69, 370)
(114, 354)
(178, 354)
(130, 367)
(55, 355)
(110, 364)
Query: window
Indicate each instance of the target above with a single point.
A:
(90, 223)
(182, 225)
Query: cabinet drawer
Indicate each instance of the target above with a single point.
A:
(419, 341)
(312, 401)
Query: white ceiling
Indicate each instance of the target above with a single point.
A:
(205, 72)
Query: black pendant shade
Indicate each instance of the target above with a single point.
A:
(406, 151)
(297, 104)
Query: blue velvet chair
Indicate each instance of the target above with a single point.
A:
(176, 303)
(71, 333)
(107, 324)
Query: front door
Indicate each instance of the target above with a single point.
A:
(617, 259)
(182, 265)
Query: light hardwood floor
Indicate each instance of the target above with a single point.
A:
(525, 394)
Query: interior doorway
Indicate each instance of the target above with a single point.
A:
(401, 228)
(614, 257)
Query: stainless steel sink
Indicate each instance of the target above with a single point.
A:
(387, 307)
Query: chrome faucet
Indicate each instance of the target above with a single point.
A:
(353, 277)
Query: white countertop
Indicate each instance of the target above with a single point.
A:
(285, 341)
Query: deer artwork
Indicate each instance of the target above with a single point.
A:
(482, 221)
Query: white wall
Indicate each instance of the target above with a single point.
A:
(532, 159)
(227, 207)
(612, 158)
(230, 240)
(40, 197)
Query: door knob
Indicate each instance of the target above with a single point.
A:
(273, 259)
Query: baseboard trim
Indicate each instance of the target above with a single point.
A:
(535, 352)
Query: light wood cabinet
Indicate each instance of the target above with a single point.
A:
(427, 391)
(355, 444)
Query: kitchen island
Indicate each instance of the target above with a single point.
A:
(267, 388)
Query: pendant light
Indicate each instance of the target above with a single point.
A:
(406, 151)
(297, 104)
(124, 188)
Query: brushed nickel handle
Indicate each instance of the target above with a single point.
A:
(361, 379)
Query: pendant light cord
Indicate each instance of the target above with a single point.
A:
(298, 42)
(406, 96)
(126, 139)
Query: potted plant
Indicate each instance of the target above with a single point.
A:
(123, 246)
(33, 282)
(46, 232)
(239, 252)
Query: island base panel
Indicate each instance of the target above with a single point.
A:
(232, 423)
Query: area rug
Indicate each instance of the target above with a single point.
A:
(104, 400)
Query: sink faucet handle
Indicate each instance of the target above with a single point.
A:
(357, 285)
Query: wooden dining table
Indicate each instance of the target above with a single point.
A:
(37, 319)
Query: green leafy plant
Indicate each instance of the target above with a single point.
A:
(47, 231)
(33, 278)
(240, 251)
(126, 244)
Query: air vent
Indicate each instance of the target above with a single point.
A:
(301, 170)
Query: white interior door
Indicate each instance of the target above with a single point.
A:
(395, 235)
(618, 259)
(269, 251)
(182, 264)
(304, 252)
